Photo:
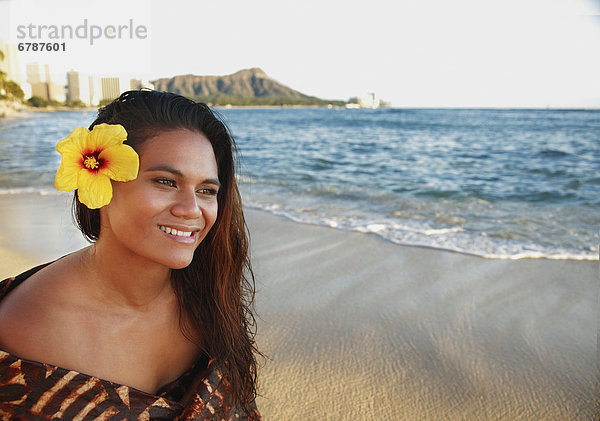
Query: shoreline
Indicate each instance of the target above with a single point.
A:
(7, 113)
(574, 258)
(10, 109)
(367, 329)
(34, 192)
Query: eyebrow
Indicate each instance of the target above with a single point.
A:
(178, 173)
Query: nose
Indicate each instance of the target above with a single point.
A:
(186, 205)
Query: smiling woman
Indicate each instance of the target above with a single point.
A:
(166, 212)
(154, 319)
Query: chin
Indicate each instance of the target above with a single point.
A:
(180, 264)
(177, 262)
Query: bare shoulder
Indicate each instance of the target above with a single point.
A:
(30, 313)
(53, 318)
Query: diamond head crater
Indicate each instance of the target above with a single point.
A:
(245, 87)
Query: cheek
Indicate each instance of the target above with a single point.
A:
(211, 216)
(129, 205)
(138, 196)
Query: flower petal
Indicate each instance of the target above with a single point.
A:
(74, 142)
(105, 143)
(121, 163)
(95, 189)
(105, 135)
(66, 176)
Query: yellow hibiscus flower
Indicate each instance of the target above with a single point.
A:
(91, 159)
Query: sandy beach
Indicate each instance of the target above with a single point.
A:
(357, 328)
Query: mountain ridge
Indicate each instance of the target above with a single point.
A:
(245, 87)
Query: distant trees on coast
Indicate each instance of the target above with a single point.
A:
(9, 89)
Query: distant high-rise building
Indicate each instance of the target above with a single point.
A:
(95, 90)
(38, 76)
(73, 86)
(111, 88)
(40, 90)
(38, 73)
(78, 87)
(56, 92)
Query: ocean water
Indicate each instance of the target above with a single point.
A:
(503, 184)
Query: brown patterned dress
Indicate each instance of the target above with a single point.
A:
(31, 390)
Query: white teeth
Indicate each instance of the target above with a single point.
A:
(173, 231)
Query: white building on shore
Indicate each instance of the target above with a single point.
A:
(368, 100)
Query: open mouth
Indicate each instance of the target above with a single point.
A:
(176, 233)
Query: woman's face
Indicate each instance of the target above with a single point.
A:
(169, 209)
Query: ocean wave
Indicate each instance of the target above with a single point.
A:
(553, 153)
(427, 234)
(42, 191)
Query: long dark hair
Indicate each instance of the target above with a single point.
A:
(216, 291)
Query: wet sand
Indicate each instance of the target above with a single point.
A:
(358, 328)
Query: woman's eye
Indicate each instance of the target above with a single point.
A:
(166, 182)
(209, 192)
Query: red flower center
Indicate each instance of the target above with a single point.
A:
(92, 162)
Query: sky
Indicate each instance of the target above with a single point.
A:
(411, 53)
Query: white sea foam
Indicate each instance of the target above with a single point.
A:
(427, 234)
(42, 191)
